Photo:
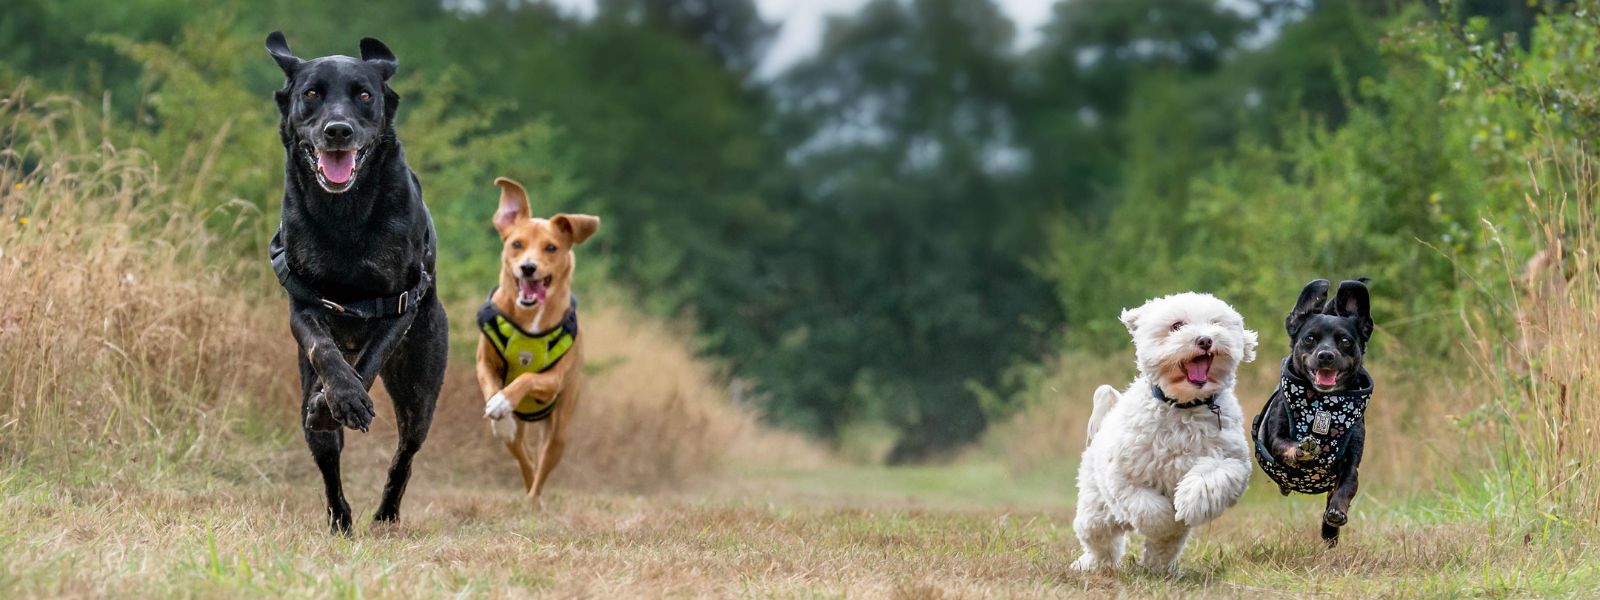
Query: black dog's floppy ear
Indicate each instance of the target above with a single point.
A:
(278, 47)
(1352, 301)
(1310, 303)
(373, 51)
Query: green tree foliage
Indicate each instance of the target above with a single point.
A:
(895, 228)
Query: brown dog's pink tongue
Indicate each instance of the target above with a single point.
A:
(336, 165)
(1200, 370)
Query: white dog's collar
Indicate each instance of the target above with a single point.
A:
(1209, 402)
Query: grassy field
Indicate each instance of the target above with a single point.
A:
(145, 451)
(252, 527)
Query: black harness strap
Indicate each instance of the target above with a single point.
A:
(366, 308)
(1210, 403)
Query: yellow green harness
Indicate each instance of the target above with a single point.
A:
(524, 352)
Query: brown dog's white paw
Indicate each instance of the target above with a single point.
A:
(498, 411)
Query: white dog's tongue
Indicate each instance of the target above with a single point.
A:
(336, 165)
(1200, 370)
(1326, 377)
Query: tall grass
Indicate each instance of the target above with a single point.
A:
(1544, 405)
(122, 325)
(135, 332)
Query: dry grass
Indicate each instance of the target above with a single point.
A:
(1412, 443)
(111, 337)
(1545, 406)
(469, 534)
(130, 332)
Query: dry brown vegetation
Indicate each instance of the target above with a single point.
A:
(148, 448)
(1412, 441)
(129, 330)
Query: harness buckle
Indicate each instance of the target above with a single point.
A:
(402, 302)
(331, 305)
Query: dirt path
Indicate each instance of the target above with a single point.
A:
(960, 531)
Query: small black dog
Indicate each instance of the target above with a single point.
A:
(355, 250)
(1309, 436)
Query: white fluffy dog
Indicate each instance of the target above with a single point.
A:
(1168, 454)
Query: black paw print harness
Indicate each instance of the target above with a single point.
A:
(1326, 418)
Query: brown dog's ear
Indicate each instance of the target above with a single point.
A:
(577, 227)
(513, 204)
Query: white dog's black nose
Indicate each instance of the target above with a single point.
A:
(528, 269)
(338, 132)
(1204, 342)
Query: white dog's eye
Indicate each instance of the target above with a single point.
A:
(1177, 326)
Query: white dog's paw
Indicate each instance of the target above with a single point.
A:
(1087, 562)
(1149, 511)
(1197, 503)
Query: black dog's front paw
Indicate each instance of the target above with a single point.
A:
(317, 417)
(1335, 517)
(349, 405)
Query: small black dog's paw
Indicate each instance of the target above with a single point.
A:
(1308, 450)
(317, 417)
(1335, 517)
(1330, 535)
(349, 404)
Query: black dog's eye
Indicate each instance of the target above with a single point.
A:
(516, 245)
(365, 97)
(312, 94)
(1177, 326)
(1310, 339)
(1344, 342)
(551, 248)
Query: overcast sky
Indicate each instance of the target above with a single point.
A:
(801, 22)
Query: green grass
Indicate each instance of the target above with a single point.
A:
(964, 530)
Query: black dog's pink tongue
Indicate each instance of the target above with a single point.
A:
(1199, 370)
(336, 165)
(1326, 377)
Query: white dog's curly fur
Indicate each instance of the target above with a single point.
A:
(1154, 467)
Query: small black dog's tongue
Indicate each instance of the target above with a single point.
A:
(1326, 377)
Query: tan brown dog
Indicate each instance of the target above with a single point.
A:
(530, 355)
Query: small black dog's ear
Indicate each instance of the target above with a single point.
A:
(1352, 301)
(278, 47)
(373, 51)
(1311, 300)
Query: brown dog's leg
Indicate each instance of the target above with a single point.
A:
(519, 451)
(555, 443)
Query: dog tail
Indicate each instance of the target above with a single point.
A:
(1104, 397)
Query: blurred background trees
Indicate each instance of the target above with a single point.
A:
(897, 229)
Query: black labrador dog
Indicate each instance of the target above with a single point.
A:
(355, 251)
(1311, 433)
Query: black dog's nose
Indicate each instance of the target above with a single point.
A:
(338, 132)
(1326, 356)
(528, 269)
(1204, 342)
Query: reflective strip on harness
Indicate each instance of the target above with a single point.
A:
(523, 352)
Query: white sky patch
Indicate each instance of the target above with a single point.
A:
(801, 23)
